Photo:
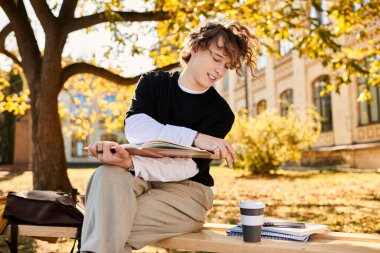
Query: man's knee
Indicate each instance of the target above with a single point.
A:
(110, 172)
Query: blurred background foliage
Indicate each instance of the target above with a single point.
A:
(269, 140)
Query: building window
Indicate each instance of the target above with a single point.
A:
(107, 100)
(369, 111)
(77, 145)
(261, 106)
(285, 46)
(80, 106)
(286, 100)
(323, 103)
(262, 60)
(357, 6)
(318, 13)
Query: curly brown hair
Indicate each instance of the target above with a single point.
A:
(239, 44)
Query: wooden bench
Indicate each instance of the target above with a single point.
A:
(213, 239)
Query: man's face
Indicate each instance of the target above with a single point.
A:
(209, 65)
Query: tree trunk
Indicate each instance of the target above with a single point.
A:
(49, 161)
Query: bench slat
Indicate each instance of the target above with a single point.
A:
(346, 237)
(212, 238)
(215, 242)
(322, 236)
(43, 231)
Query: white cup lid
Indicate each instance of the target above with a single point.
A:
(251, 204)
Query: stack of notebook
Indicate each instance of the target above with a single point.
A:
(281, 230)
(3, 221)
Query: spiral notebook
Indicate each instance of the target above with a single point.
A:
(310, 228)
(238, 231)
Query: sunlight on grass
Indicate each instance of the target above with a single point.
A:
(347, 202)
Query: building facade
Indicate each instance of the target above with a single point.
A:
(350, 130)
(75, 156)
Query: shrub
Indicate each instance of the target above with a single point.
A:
(269, 140)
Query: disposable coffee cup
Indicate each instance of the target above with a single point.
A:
(252, 219)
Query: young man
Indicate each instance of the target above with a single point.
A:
(133, 201)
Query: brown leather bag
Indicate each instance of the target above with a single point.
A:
(49, 208)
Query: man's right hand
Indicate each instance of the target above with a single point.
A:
(219, 146)
(102, 151)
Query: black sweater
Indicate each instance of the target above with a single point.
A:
(159, 96)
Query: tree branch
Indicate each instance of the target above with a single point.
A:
(26, 41)
(4, 34)
(10, 55)
(67, 9)
(82, 67)
(9, 9)
(87, 21)
(43, 13)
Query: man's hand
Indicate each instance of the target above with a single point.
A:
(102, 151)
(219, 146)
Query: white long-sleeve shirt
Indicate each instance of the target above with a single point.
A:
(141, 128)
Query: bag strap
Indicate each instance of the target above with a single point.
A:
(77, 238)
(12, 245)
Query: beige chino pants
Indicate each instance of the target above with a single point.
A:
(125, 212)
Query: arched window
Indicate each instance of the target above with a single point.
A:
(286, 99)
(369, 111)
(323, 103)
(261, 106)
(77, 145)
